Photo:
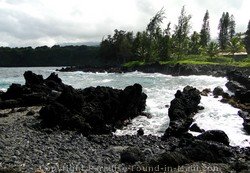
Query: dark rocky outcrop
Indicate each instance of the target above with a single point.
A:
(239, 83)
(214, 135)
(246, 118)
(36, 91)
(181, 111)
(192, 150)
(211, 152)
(94, 110)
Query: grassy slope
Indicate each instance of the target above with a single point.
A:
(199, 60)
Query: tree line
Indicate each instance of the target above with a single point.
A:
(156, 43)
(46, 56)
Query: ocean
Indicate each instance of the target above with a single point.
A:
(160, 90)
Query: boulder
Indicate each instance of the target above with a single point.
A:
(246, 125)
(239, 83)
(218, 91)
(215, 135)
(140, 132)
(239, 77)
(205, 92)
(206, 151)
(233, 86)
(246, 120)
(131, 155)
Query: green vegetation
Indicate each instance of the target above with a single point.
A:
(247, 38)
(198, 60)
(157, 44)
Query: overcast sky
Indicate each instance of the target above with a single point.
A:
(48, 22)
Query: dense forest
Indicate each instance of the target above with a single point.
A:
(46, 56)
(153, 44)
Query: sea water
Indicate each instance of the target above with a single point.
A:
(160, 90)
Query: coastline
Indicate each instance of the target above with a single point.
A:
(168, 69)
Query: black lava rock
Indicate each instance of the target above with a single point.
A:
(215, 135)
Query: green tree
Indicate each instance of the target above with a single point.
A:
(155, 35)
(194, 45)
(205, 31)
(247, 39)
(212, 49)
(180, 36)
(231, 27)
(155, 22)
(223, 33)
(107, 52)
(141, 45)
(235, 44)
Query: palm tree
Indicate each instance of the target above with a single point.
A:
(235, 45)
(212, 49)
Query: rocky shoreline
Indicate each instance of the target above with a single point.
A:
(47, 126)
(173, 69)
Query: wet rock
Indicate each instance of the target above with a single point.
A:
(181, 111)
(205, 91)
(218, 91)
(215, 135)
(239, 83)
(54, 82)
(233, 86)
(132, 155)
(184, 104)
(32, 78)
(36, 91)
(94, 110)
(246, 120)
(196, 128)
(140, 132)
(239, 77)
(177, 128)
